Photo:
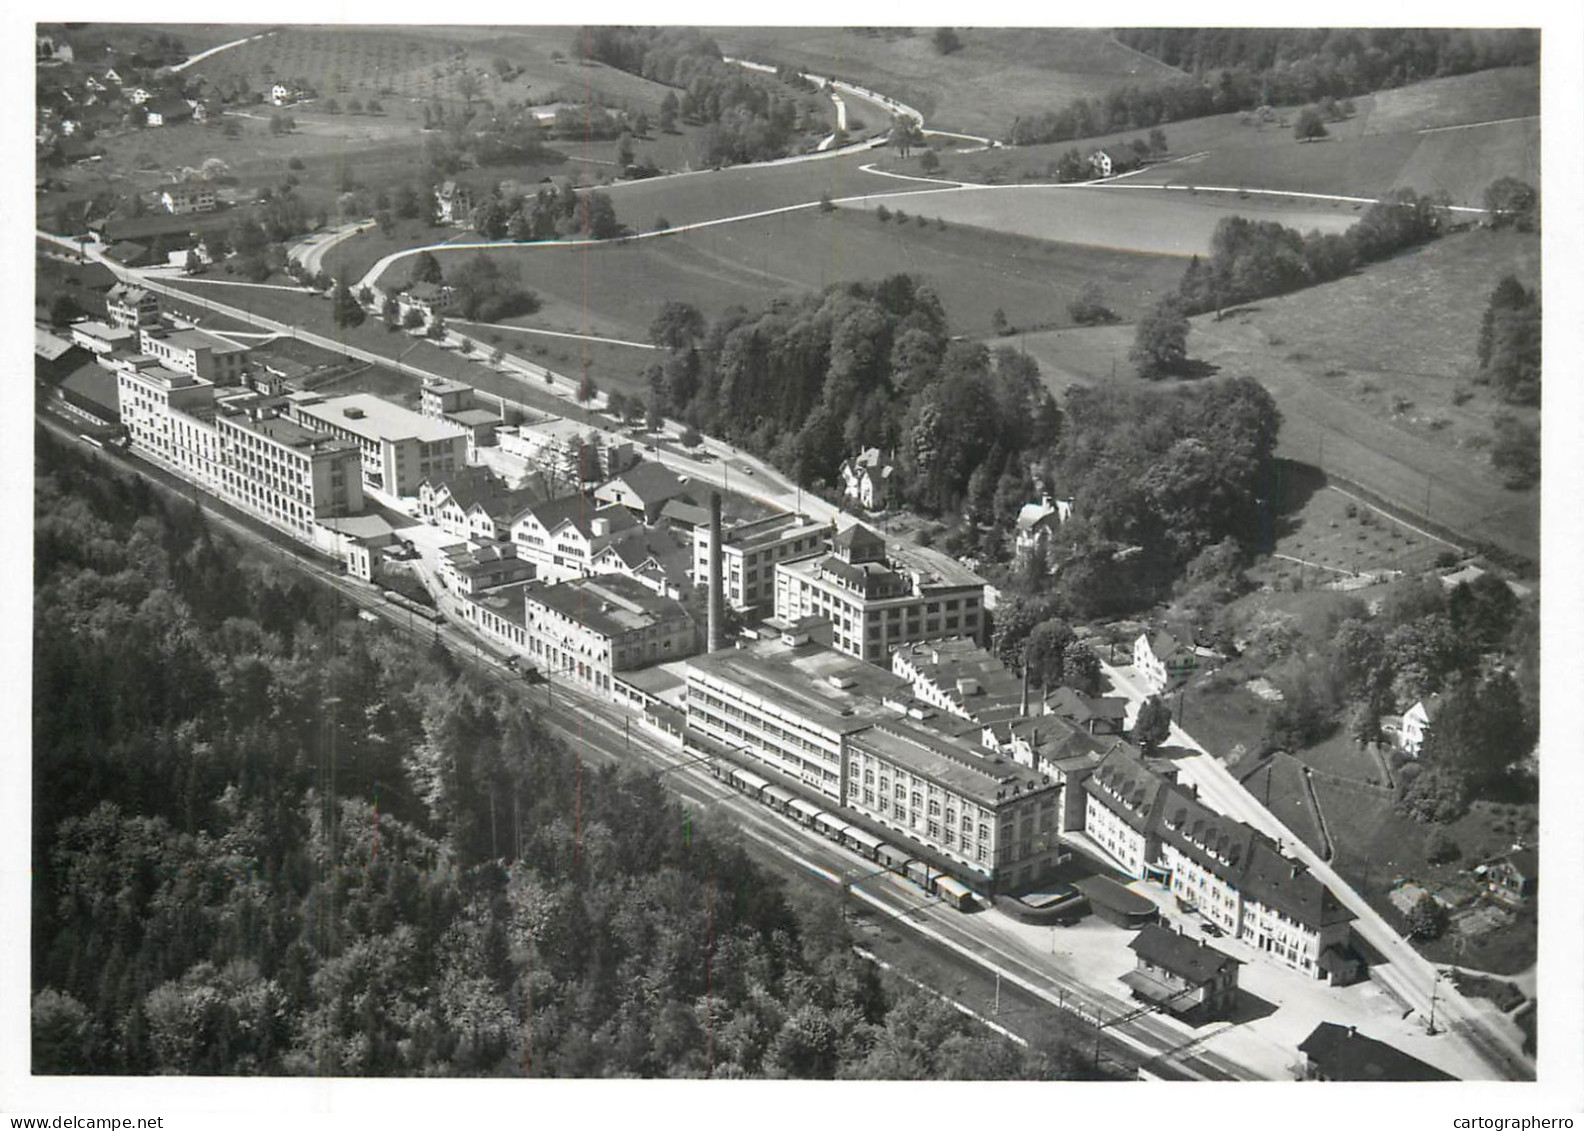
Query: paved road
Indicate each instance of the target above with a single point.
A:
(310, 249)
(1406, 973)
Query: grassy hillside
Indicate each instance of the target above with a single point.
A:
(998, 74)
(408, 65)
(617, 290)
(1366, 371)
(1380, 148)
(1160, 223)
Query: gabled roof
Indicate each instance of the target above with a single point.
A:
(1073, 705)
(1163, 644)
(684, 513)
(126, 292)
(1034, 514)
(1289, 887)
(1193, 960)
(1127, 787)
(858, 543)
(652, 482)
(125, 252)
(1342, 1053)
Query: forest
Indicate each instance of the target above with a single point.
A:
(744, 118)
(269, 838)
(1236, 69)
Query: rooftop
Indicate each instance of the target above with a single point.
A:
(506, 601)
(1127, 786)
(652, 482)
(48, 345)
(471, 417)
(371, 418)
(1342, 1053)
(1193, 960)
(610, 604)
(829, 688)
(292, 434)
(965, 673)
(196, 339)
(763, 531)
(957, 764)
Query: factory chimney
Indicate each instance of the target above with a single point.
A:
(716, 613)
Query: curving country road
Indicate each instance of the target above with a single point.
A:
(202, 55)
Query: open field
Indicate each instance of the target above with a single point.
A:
(1376, 150)
(1279, 786)
(998, 74)
(1334, 536)
(1459, 162)
(1120, 220)
(411, 65)
(616, 290)
(1373, 403)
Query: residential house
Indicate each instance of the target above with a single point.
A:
(282, 94)
(1341, 1053)
(563, 537)
(1163, 661)
(112, 76)
(1100, 163)
(1037, 522)
(1188, 978)
(428, 299)
(132, 307)
(455, 202)
(169, 111)
(95, 85)
(643, 489)
(189, 196)
(1514, 879)
(868, 479)
(140, 95)
(656, 558)
(1092, 714)
(1416, 723)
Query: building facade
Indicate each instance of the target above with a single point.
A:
(131, 307)
(750, 552)
(876, 602)
(587, 629)
(197, 352)
(400, 448)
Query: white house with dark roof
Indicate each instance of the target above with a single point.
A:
(1162, 660)
(868, 479)
(1416, 723)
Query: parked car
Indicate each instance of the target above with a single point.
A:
(1211, 929)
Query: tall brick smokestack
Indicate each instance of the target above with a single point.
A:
(717, 619)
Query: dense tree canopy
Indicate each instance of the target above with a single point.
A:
(270, 839)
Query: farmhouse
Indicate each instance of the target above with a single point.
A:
(170, 111)
(1514, 879)
(1100, 163)
(188, 197)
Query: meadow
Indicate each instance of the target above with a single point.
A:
(998, 73)
(1378, 149)
(414, 65)
(617, 289)
(1367, 372)
(1157, 223)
